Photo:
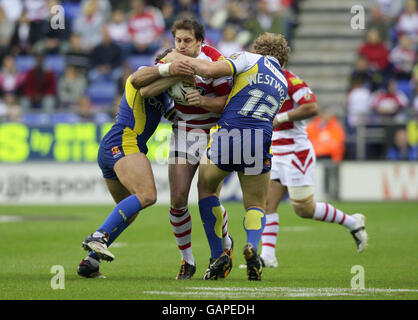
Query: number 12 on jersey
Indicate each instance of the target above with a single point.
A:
(263, 112)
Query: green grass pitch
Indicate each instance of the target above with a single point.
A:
(315, 259)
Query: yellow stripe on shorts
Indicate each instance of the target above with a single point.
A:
(129, 141)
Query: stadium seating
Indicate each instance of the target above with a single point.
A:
(55, 63)
(136, 61)
(102, 92)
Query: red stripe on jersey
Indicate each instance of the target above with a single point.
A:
(211, 52)
(190, 109)
(269, 233)
(222, 89)
(283, 142)
(177, 224)
(206, 121)
(190, 129)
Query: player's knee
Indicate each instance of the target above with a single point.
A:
(179, 198)
(147, 198)
(302, 201)
(304, 209)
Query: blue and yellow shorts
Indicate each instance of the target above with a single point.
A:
(243, 150)
(120, 141)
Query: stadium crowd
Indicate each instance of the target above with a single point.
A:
(77, 73)
(384, 80)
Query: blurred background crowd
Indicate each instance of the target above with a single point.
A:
(77, 73)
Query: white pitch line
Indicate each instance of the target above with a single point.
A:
(6, 219)
(274, 292)
(244, 294)
(269, 289)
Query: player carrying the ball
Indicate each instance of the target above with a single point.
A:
(241, 140)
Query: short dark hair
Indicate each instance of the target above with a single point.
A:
(162, 55)
(189, 24)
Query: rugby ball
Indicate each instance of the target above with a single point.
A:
(179, 91)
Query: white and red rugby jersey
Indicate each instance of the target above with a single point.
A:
(196, 117)
(291, 136)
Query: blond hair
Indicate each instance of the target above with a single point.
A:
(275, 45)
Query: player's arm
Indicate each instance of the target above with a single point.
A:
(147, 75)
(302, 112)
(212, 104)
(160, 85)
(204, 68)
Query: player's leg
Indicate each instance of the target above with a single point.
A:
(89, 266)
(254, 192)
(135, 173)
(269, 237)
(302, 199)
(213, 216)
(180, 178)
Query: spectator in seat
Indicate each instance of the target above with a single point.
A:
(327, 136)
(89, 25)
(375, 51)
(118, 30)
(401, 149)
(7, 27)
(363, 72)
(379, 22)
(229, 44)
(22, 39)
(71, 87)
(13, 109)
(105, 59)
(39, 88)
(75, 54)
(85, 109)
(265, 21)
(11, 81)
(390, 103)
(146, 25)
(407, 23)
(358, 103)
(402, 58)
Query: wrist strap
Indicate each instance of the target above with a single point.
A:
(282, 117)
(164, 69)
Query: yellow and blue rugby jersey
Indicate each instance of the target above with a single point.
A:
(258, 92)
(142, 115)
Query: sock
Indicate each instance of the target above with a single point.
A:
(326, 212)
(181, 224)
(123, 211)
(269, 236)
(212, 216)
(254, 223)
(226, 240)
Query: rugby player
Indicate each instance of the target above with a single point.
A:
(122, 158)
(293, 166)
(190, 137)
(259, 89)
